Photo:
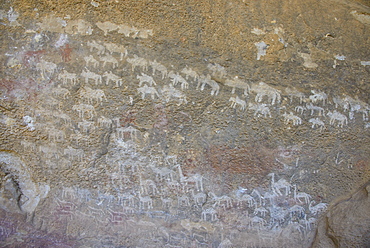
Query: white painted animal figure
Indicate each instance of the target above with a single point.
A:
(86, 126)
(122, 131)
(170, 159)
(94, 45)
(144, 78)
(114, 48)
(301, 195)
(199, 198)
(169, 92)
(224, 201)
(201, 225)
(356, 105)
(315, 210)
(281, 184)
(148, 186)
(166, 202)
(298, 211)
(278, 214)
(64, 117)
(237, 83)
(56, 135)
(260, 210)
(73, 153)
(318, 96)
(206, 80)
(146, 200)
(336, 116)
(112, 77)
(342, 102)
(46, 67)
(127, 198)
(137, 61)
(257, 220)
(107, 27)
(237, 101)
(177, 78)
(260, 109)
(245, 198)
(83, 109)
(109, 59)
(317, 122)
(148, 90)
(162, 174)
(269, 196)
(262, 89)
(195, 178)
(104, 122)
(189, 72)
(293, 92)
(314, 108)
(156, 66)
(87, 74)
(183, 200)
(91, 60)
(308, 223)
(60, 92)
(66, 76)
(290, 117)
(300, 109)
(127, 30)
(209, 211)
(217, 70)
(255, 192)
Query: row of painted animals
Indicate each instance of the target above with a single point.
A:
(219, 71)
(134, 203)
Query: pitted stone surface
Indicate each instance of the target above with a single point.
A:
(183, 123)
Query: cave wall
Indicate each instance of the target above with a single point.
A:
(183, 123)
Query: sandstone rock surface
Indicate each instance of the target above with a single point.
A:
(183, 123)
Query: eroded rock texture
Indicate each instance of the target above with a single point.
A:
(347, 222)
(184, 123)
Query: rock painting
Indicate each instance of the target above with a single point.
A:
(116, 145)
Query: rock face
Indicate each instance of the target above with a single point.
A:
(347, 222)
(184, 123)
